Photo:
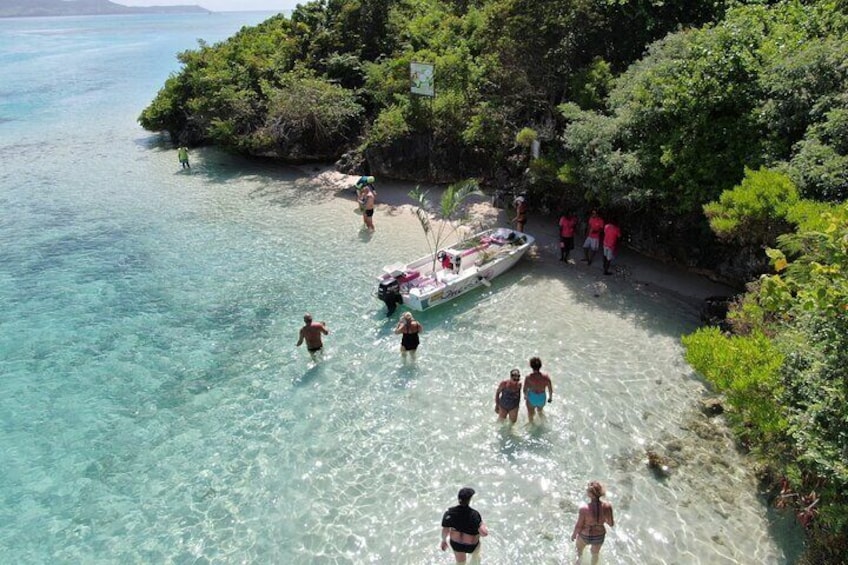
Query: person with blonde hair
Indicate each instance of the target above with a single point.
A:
(590, 529)
(408, 328)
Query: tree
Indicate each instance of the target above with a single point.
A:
(450, 213)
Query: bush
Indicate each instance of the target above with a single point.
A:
(526, 137)
(746, 370)
(390, 125)
(756, 210)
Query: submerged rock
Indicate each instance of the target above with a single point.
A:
(712, 406)
(660, 465)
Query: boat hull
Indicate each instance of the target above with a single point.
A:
(435, 279)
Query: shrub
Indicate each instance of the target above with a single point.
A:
(745, 369)
(390, 125)
(756, 210)
(526, 137)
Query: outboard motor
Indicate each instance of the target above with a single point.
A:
(389, 292)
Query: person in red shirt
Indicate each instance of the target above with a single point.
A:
(567, 224)
(612, 233)
(595, 225)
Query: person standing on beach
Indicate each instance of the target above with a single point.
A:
(367, 200)
(567, 225)
(589, 529)
(408, 328)
(612, 233)
(182, 155)
(463, 526)
(520, 213)
(311, 333)
(594, 227)
(508, 397)
(535, 385)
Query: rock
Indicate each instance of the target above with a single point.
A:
(712, 406)
(714, 310)
(353, 163)
(659, 465)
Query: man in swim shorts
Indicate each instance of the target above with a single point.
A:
(463, 526)
(311, 333)
(535, 385)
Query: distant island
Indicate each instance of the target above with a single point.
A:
(37, 8)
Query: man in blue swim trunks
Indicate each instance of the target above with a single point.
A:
(535, 385)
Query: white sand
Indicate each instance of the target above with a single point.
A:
(644, 273)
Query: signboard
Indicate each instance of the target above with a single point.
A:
(421, 76)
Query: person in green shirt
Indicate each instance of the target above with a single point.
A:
(182, 154)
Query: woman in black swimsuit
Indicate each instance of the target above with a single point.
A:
(408, 328)
(508, 397)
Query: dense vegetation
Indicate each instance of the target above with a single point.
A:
(716, 130)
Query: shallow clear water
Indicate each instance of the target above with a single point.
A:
(153, 407)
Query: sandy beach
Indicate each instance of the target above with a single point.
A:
(645, 274)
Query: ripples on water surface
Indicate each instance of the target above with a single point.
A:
(153, 407)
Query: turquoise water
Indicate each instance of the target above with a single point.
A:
(154, 409)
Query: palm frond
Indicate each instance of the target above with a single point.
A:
(422, 210)
(455, 196)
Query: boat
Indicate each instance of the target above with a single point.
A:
(453, 271)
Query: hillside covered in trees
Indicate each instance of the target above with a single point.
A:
(717, 131)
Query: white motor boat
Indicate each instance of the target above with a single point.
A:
(451, 272)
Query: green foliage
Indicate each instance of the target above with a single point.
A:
(608, 174)
(309, 115)
(746, 370)
(389, 126)
(525, 137)
(756, 210)
(764, 86)
(345, 69)
(450, 115)
(487, 129)
(590, 86)
(803, 365)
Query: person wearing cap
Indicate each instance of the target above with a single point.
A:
(462, 526)
(508, 397)
(311, 333)
(363, 182)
